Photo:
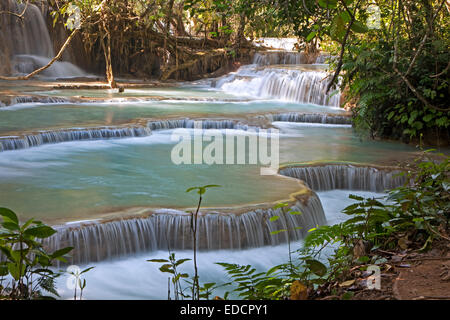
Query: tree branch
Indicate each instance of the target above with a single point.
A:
(57, 57)
(20, 16)
(424, 39)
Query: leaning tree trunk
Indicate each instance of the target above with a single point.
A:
(107, 52)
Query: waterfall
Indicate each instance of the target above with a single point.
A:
(190, 123)
(103, 133)
(309, 118)
(27, 42)
(287, 84)
(28, 35)
(277, 43)
(57, 136)
(100, 241)
(347, 177)
(279, 57)
(25, 64)
(39, 99)
(322, 58)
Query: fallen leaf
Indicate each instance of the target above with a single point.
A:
(347, 283)
(298, 291)
(403, 243)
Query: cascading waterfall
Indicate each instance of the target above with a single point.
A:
(28, 42)
(25, 63)
(310, 118)
(104, 133)
(347, 177)
(278, 57)
(57, 136)
(190, 124)
(160, 231)
(287, 84)
(323, 58)
(276, 43)
(39, 99)
(28, 35)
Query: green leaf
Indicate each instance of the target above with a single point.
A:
(27, 224)
(61, 252)
(212, 186)
(345, 16)
(181, 261)
(15, 271)
(10, 226)
(277, 231)
(3, 270)
(86, 270)
(274, 218)
(337, 31)
(311, 36)
(40, 231)
(328, 4)
(166, 268)
(355, 197)
(158, 260)
(316, 267)
(9, 215)
(280, 205)
(209, 285)
(359, 27)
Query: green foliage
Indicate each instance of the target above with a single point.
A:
(24, 259)
(375, 68)
(417, 211)
(170, 266)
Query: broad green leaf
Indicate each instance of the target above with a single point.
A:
(15, 271)
(11, 226)
(311, 36)
(9, 215)
(61, 252)
(40, 231)
(316, 267)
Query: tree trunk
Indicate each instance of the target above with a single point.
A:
(167, 28)
(107, 52)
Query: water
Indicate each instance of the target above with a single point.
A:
(84, 179)
(25, 64)
(285, 84)
(28, 43)
(87, 178)
(98, 164)
(134, 278)
(41, 116)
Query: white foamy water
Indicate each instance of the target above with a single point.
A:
(135, 278)
(24, 64)
(285, 84)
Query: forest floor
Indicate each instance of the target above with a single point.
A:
(412, 275)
